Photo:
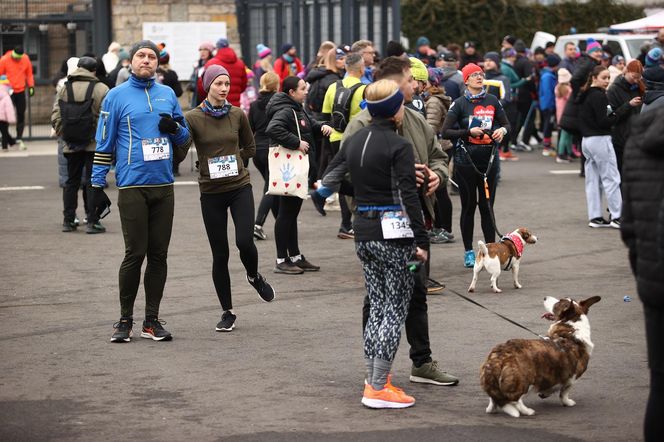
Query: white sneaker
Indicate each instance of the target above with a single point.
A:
(21, 145)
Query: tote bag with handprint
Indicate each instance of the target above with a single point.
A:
(289, 170)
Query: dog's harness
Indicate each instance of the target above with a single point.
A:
(518, 246)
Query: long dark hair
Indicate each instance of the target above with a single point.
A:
(290, 83)
(593, 74)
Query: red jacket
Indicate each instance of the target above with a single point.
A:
(227, 58)
(19, 72)
(283, 69)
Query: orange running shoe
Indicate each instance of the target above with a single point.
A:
(388, 397)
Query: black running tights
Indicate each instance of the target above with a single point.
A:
(214, 207)
(471, 191)
(285, 227)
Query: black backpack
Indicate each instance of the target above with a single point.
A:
(78, 123)
(341, 106)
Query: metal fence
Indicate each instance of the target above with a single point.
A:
(306, 23)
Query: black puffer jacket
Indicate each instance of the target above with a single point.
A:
(319, 80)
(283, 127)
(619, 93)
(258, 120)
(643, 206)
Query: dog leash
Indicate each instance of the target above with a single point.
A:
(495, 313)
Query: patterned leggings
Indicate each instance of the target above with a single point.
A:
(389, 287)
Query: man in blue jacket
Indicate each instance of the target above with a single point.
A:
(139, 125)
(547, 101)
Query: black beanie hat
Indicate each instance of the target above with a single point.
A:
(87, 63)
(143, 44)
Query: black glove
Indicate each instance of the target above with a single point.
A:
(100, 202)
(168, 125)
(31, 91)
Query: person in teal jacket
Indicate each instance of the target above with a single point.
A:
(139, 126)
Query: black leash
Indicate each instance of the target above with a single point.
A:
(495, 313)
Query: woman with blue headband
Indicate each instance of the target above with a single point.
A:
(390, 238)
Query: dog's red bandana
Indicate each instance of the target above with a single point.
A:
(517, 241)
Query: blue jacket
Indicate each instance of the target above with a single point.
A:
(129, 119)
(547, 86)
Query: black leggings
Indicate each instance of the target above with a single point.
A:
(268, 202)
(443, 209)
(214, 207)
(471, 191)
(285, 227)
(18, 99)
(7, 139)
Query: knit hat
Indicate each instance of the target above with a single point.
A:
(634, 66)
(222, 43)
(211, 73)
(418, 69)
(493, 56)
(519, 46)
(593, 47)
(286, 47)
(339, 53)
(87, 63)
(422, 41)
(510, 39)
(263, 51)
(164, 57)
(564, 76)
(123, 54)
(148, 44)
(448, 56)
(207, 45)
(250, 73)
(469, 69)
(72, 64)
(509, 52)
(617, 59)
(469, 44)
(552, 60)
(435, 76)
(387, 107)
(17, 53)
(653, 57)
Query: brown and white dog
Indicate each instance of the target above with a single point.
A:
(503, 255)
(547, 365)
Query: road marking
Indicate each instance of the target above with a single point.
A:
(24, 154)
(185, 183)
(22, 188)
(564, 172)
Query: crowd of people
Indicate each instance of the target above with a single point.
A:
(391, 136)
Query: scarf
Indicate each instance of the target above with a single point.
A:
(474, 98)
(215, 112)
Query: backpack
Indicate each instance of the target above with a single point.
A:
(341, 106)
(316, 94)
(78, 122)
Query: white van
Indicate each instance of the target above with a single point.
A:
(627, 45)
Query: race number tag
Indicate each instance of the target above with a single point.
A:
(395, 225)
(156, 149)
(222, 167)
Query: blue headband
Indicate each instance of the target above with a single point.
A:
(387, 107)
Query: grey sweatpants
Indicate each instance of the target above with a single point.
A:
(601, 175)
(389, 286)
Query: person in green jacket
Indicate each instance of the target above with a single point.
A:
(507, 68)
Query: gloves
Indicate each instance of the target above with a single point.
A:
(100, 202)
(168, 125)
(31, 91)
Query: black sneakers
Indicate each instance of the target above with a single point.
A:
(259, 233)
(319, 202)
(122, 330)
(227, 322)
(615, 223)
(152, 329)
(93, 228)
(306, 265)
(599, 222)
(345, 233)
(69, 226)
(288, 268)
(264, 290)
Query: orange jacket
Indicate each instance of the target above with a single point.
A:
(18, 72)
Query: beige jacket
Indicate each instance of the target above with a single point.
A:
(436, 109)
(80, 79)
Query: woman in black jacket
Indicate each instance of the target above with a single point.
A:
(283, 129)
(474, 113)
(269, 85)
(596, 118)
(389, 232)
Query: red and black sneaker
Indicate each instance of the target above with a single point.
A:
(153, 329)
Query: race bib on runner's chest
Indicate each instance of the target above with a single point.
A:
(395, 225)
(222, 167)
(156, 149)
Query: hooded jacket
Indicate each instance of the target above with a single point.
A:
(80, 79)
(642, 227)
(7, 112)
(258, 120)
(619, 93)
(227, 58)
(19, 72)
(282, 126)
(453, 83)
(129, 118)
(654, 96)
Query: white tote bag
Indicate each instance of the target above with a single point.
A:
(289, 170)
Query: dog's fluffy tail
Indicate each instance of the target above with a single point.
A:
(481, 249)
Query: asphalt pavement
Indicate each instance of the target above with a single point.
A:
(292, 370)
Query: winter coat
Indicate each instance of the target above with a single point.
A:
(594, 118)
(515, 81)
(547, 86)
(80, 79)
(19, 72)
(285, 69)
(561, 102)
(524, 69)
(498, 85)
(258, 120)
(452, 81)
(283, 128)
(654, 97)
(643, 206)
(227, 58)
(7, 111)
(619, 93)
(436, 106)
(319, 79)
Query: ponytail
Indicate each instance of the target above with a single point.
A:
(593, 74)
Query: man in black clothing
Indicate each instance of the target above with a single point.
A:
(524, 99)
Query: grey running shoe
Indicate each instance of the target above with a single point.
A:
(306, 265)
(430, 373)
(288, 268)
